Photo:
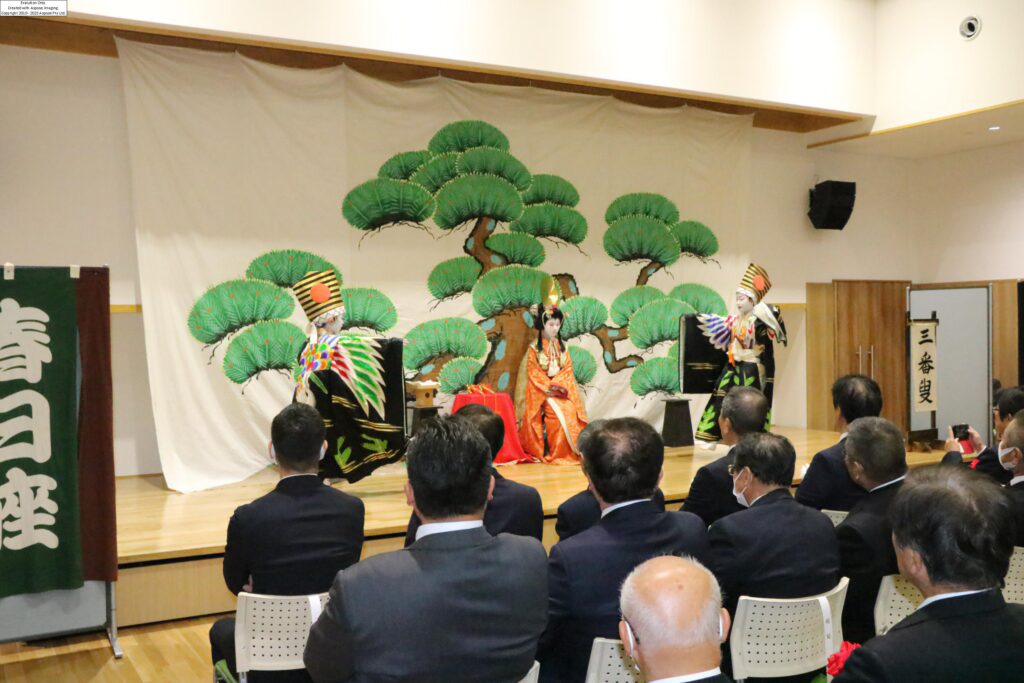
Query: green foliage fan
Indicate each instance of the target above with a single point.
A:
(470, 197)
(267, 345)
(491, 161)
(701, 297)
(368, 307)
(232, 305)
(507, 287)
(403, 165)
(442, 337)
(584, 366)
(551, 189)
(695, 239)
(655, 206)
(384, 201)
(552, 220)
(462, 135)
(285, 267)
(517, 248)
(458, 373)
(640, 238)
(655, 375)
(656, 322)
(437, 172)
(583, 315)
(453, 277)
(629, 302)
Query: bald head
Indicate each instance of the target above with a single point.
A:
(672, 603)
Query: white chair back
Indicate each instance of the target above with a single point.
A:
(897, 599)
(776, 637)
(1013, 591)
(837, 516)
(609, 663)
(271, 630)
(533, 675)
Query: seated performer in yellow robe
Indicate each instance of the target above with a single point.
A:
(553, 414)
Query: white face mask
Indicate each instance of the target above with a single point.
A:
(1007, 465)
(740, 498)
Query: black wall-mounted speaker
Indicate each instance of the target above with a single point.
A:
(832, 204)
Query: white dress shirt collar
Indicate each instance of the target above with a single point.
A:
(888, 483)
(300, 474)
(622, 505)
(690, 677)
(945, 596)
(1016, 480)
(445, 527)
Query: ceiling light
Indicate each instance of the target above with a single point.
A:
(993, 128)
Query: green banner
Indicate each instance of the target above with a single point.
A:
(40, 548)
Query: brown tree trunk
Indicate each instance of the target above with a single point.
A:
(509, 337)
(439, 363)
(647, 271)
(476, 246)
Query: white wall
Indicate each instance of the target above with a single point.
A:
(807, 53)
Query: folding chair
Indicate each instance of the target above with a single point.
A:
(271, 631)
(609, 663)
(897, 599)
(837, 516)
(776, 637)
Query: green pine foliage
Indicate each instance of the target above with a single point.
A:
(403, 165)
(629, 302)
(654, 376)
(458, 373)
(440, 337)
(673, 352)
(232, 305)
(584, 366)
(453, 277)
(583, 315)
(695, 239)
(507, 287)
(701, 297)
(368, 307)
(490, 161)
(470, 197)
(551, 189)
(654, 206)
(551, 220)
(517, 248)
(640, 238)
(384, 201)
(462, 135)
(285, 267)
(267, 345)
(435, 173)
(656, 322)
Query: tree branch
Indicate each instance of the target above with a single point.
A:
(476, 246)
(647, 271)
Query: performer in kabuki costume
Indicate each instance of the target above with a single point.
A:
(553, 414)
(355, 382)
(720, 352)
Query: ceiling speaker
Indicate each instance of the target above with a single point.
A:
(832, 204)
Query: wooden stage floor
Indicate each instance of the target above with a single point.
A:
(170, 544)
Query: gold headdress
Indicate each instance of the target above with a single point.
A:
(755, 283)
(319, 294)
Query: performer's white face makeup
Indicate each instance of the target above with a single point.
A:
(334, 324)
(744, 304)
(551, 328)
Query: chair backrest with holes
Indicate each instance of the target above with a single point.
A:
(776, 637)
(609, 663)
(1013, 591)
(837, 516)
(271, 630)
(897, 599)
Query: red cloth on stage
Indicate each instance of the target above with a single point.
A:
(501, 404)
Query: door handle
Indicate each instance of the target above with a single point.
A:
(872, 352)
(860, 360)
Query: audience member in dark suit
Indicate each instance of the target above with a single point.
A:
(514, 508)
(776, 548)
(293, 540)
(673, 623)
(1011, 458)
(1011, 402)
(877, 461)
(623, 465)
(744, 411)
(458, 604)
(953, 534)
(826, 485)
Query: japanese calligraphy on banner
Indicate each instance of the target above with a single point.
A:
(924, 371)
(40, 548)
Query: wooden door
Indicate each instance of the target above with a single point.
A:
(870, 338)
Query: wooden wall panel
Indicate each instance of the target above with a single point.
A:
(1005, 332)
(821, 362)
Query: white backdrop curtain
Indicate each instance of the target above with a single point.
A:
(231, 157)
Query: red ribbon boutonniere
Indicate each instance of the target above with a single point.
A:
(837, 661)
(974, 464)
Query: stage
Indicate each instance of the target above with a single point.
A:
(170, 545)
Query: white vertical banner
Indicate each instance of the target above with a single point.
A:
(924, 372)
